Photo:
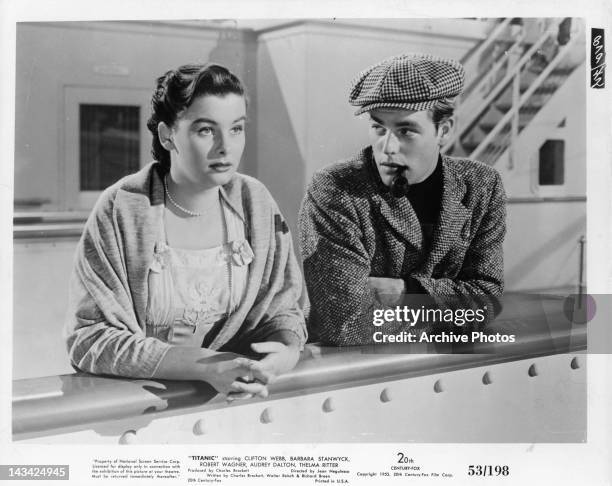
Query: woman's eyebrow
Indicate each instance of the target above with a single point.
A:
(213, 122)
(204, 120)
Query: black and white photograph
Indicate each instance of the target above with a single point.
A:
(306, 247)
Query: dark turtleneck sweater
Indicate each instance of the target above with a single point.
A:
(425, 198)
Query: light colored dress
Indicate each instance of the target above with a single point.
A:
(193, 292)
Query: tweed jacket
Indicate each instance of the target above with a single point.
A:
(352, 228)
(106, 332)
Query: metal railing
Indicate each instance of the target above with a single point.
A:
(51, 224)
(513, 71)
(472, 74)
(57, 405)
(581, 285)
(514, 74)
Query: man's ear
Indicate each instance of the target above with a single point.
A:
(164, 132)
(445, 131)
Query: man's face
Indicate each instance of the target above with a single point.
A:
(405, 139)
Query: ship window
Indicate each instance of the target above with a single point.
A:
(552, 163)
(109, 144)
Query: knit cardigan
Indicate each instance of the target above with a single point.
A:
(105, 329)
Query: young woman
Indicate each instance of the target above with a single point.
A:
(187, 265)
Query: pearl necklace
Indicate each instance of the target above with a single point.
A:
(189, 212)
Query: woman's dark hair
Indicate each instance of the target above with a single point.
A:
(442, 110)
(176, 91)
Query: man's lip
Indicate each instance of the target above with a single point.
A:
(393, 165)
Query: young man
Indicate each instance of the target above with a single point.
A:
(399, 217)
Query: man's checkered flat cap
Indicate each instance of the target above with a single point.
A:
(411, 81)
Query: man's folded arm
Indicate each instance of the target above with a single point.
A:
(336, 266)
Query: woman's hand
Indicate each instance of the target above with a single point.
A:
(238, 377)
(279, 358)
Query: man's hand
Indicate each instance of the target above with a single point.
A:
(388, 290)
(279, 358)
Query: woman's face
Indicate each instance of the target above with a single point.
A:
(208, 141)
